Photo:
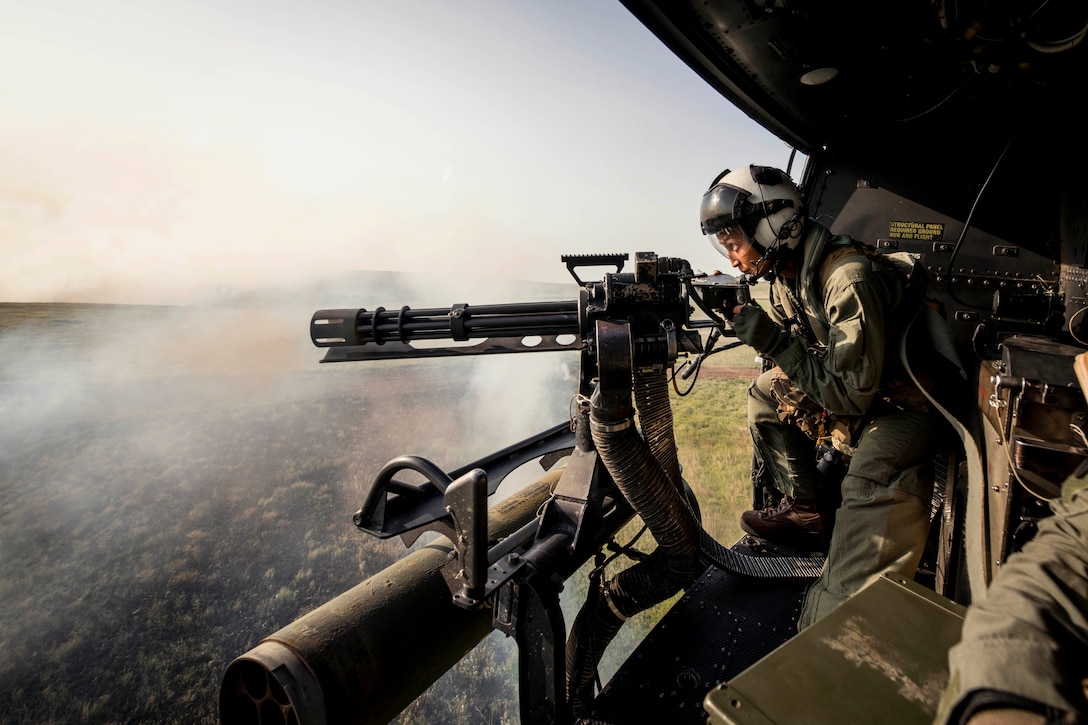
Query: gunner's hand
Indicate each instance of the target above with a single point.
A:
(756, 329)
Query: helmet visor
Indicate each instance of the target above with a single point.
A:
(724, 207)
(727, 241)
(735, 246)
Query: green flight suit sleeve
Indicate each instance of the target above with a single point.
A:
(774, 309)
(1028, 636)
(846, 379)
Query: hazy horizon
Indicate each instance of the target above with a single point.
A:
(168, 153)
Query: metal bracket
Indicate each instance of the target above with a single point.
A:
(393, 507)
(466, 501)
(530, 612)
(573, 261)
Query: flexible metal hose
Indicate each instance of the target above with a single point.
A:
(655, 413)
(655, 494)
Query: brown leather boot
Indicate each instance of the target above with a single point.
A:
(789, 521)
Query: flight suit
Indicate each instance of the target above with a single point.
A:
(1028, 637)
(835, 332)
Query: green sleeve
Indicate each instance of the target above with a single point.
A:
(774, 307)
(1029, 635)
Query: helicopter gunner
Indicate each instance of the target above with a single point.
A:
(832, 328)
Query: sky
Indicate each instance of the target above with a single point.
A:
(180, 151)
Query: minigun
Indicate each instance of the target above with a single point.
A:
(654, 301)
(356, 657)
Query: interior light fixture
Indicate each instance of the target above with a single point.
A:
(818, 76)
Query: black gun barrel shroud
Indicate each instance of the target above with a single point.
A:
(332, 328)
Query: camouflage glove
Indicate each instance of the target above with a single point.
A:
(756, 329)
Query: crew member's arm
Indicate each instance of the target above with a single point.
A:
(1025, 644)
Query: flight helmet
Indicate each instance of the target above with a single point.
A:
(759, 200)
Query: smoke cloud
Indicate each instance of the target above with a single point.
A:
(178, 482)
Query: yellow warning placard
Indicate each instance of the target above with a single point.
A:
(922, 231)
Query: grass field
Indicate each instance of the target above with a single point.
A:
(177, 483)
